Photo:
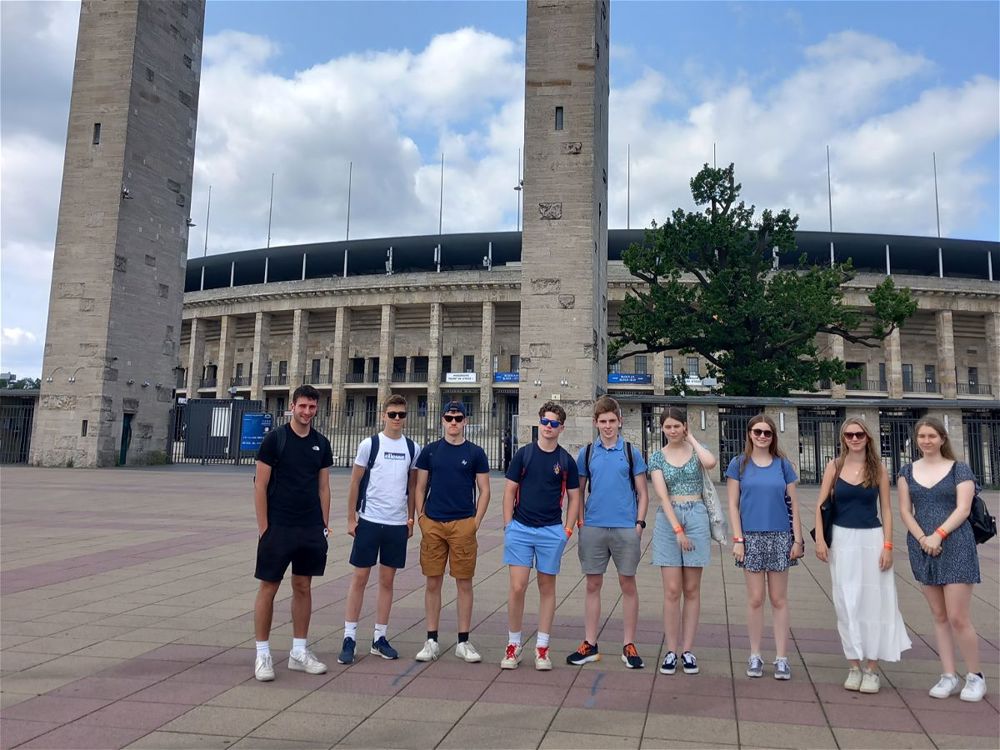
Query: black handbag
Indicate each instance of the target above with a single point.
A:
(984, 526)
(826, 517)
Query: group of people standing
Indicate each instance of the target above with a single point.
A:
(603, 496)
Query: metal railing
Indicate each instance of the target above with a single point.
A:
(240, 380)
(409, 377)
(974, 389)
(921, 387)
(207, 383)
(858, 384)
(276, 379)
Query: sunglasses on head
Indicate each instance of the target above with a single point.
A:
(396, 414)
(757, 432)
(546, 422)
(855, 435)
(453, 417)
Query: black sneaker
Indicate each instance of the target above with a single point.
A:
(347, 652)
(689, 662)
(382, 648)
(586, 653)
(631, 657)
(669, 665)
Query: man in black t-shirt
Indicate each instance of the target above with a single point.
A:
(292, 502)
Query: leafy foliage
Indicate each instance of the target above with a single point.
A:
(711, 288)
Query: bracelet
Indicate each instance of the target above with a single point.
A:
(678, 529)
(887, 545)
(941, 533)
(569, 532)
(740, 542)
(797, 541)
(579, 524)
(738, 539)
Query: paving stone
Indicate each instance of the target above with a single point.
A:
(767, 735)
(423, 709)
(85, 737)
(333, 702)
(465, 736)
(17, 731)
(223, 720)
(404, 734)
(267, 743)
(867, 739)
(320, 729)
(702, 729)
(571, 741)
(505, 714)
(56, 708)
(597, 721)
(182, 741)
(255, 694)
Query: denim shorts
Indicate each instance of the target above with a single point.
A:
(538, 547)
(667, 552)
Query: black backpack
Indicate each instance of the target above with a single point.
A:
(562, 456)
(372, 455)
(631, 466)
(282, 437)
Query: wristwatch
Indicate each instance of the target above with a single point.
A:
(641, 524)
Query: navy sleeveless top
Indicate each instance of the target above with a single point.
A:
(855, 506)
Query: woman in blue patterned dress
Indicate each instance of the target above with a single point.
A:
(935, 497)
(681, 538)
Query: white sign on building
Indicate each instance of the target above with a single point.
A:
(460, 377)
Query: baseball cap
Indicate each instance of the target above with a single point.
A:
(454, 406)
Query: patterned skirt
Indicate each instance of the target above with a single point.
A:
(767, 551)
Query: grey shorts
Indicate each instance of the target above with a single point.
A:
(598, 544)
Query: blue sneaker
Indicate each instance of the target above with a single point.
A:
(347, 652)
(382, 648)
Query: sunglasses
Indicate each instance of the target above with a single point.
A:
(855, 435)
(553, 423)
(761, 433)
(453, 417)
(396, 414)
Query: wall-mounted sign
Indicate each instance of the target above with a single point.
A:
(460, 377)
(630, 377)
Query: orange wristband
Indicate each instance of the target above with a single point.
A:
(941, 533)
(678, 529)
(569, 532)
(887, 545)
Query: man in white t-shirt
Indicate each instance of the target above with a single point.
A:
(380, 505)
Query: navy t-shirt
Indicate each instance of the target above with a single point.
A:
(451, 488)
(293, 492)
(540, 500)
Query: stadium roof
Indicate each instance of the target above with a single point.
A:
(973, 259)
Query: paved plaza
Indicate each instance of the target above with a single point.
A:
(127, 622)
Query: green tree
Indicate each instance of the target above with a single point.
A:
(711, 288)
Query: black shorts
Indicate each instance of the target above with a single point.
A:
(302, 546)
(377, 542)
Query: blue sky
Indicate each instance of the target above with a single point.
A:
(303, 88)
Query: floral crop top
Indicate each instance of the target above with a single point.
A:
(680, 480)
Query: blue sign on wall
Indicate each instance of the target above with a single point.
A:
(506, 377)
(630, 377)
(255, 427)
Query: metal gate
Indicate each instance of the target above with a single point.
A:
(734, 421)
(819, 440)
(982, 444)
(896, 443)
(15, 431)
(207, 430)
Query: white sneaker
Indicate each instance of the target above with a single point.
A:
(870, 682)
(467, 652)
(430, 652)
(948, 685)
(263, 668)
(306, 661)
(853, 681)
(512, 656)
(542, 661)
(975, 688)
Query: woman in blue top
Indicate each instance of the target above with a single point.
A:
(860, 556)
(763, 544)
(935, 497)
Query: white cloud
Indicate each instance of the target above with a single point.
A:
(17, 336)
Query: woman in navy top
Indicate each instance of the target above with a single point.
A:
(765, 541)
(935, 497)
(860, 557)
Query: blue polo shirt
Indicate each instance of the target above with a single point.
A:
(611, 503)
(762, 493)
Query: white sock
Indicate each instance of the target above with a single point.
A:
(380, 631)
(263, 648)
(351, 630)
(542, 641)
(299, 645)
(513, 637)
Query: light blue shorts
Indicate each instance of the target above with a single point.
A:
(667, 552)
(534, 547)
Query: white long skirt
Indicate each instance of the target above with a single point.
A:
(868, 617)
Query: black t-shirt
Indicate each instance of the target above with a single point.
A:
(539, 501)
(451, 491)
(293, 492)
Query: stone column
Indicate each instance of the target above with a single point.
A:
(709, 436)
(385, 351)
(297, 374)
(196, 357)
(261, 345)
(992, 322)
(837, 390)
(434, 357)
(486, 358)
(952, 419)
(341, 342)
(946, 354)
(227, 345)
(787, 420)
(894, 364)
(659, 373)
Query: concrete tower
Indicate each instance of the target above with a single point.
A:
(565, 236)
(121, 244)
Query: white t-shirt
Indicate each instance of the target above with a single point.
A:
(386, 497)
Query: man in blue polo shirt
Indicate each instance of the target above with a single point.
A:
(611, 523)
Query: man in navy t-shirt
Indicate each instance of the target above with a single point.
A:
(449, 472)
(538, 478)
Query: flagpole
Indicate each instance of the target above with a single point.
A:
(270, 208)
(208, 213)
(829, 199)
(350, 175)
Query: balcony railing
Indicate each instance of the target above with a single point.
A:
(320, 380)
(240, 381)
(371, 377)
(918, 387)
(276, 379)
(858, 384)
(409, 377)
(974, 389)
(207, 383)
(354, 377)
